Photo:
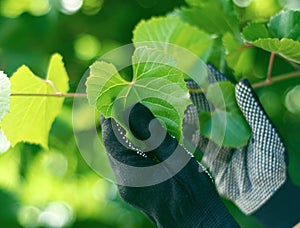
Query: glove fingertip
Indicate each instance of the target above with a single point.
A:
(102, 119)
(139, 119)
(245, 82)
(215, 74)
(245, 97)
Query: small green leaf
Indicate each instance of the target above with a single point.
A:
(286, 25)
(213, 16)
(287, 48)
(226, 125)
(243, 59)
(162, 31)
(255, 31)
(30, 117)
(156, 83)
(4, 94)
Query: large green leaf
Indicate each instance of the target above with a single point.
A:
(30, 117)
(246, 61)
(287, 48)
(160, 32)
(226, 125)
(156, 83)
(213, 16)
(286, 24)
(4, 94)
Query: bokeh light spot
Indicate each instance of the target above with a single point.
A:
(28, 216)
(70, 6)
(87, 47)
(292, 100)
(242, 3)
(91, 7)
(56, 214)
(12, 8)
(56, 164)
(39, 7)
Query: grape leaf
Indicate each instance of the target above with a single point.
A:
(226, 125)
(159, 32)
(287, 48)
(286, 25)
(30, 117)
(4, 94)
(156, 83)
(214, 16)
(243, 59)
(256, 31)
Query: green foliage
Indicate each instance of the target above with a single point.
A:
(242, 57)
(238, 39)
(226, 124)
(30, 118)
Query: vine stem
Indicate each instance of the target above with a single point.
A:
(277, 79)
(271, 80)
(267, 82)
(49, 95)
(270, 67)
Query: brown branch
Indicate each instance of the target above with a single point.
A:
(282, 77)
(270, 67)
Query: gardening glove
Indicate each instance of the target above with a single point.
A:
(166, 182)
(254, 177)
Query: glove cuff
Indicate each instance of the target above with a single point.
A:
(282, 209)
(218, 216)
(214, 214)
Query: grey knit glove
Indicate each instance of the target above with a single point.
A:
(248, 176)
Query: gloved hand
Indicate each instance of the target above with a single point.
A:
(254, 177)
(187, 198)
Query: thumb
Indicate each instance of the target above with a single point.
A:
(250, 106)
(146, 127)
(262, 128)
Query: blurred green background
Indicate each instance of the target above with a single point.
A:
(56, 188)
